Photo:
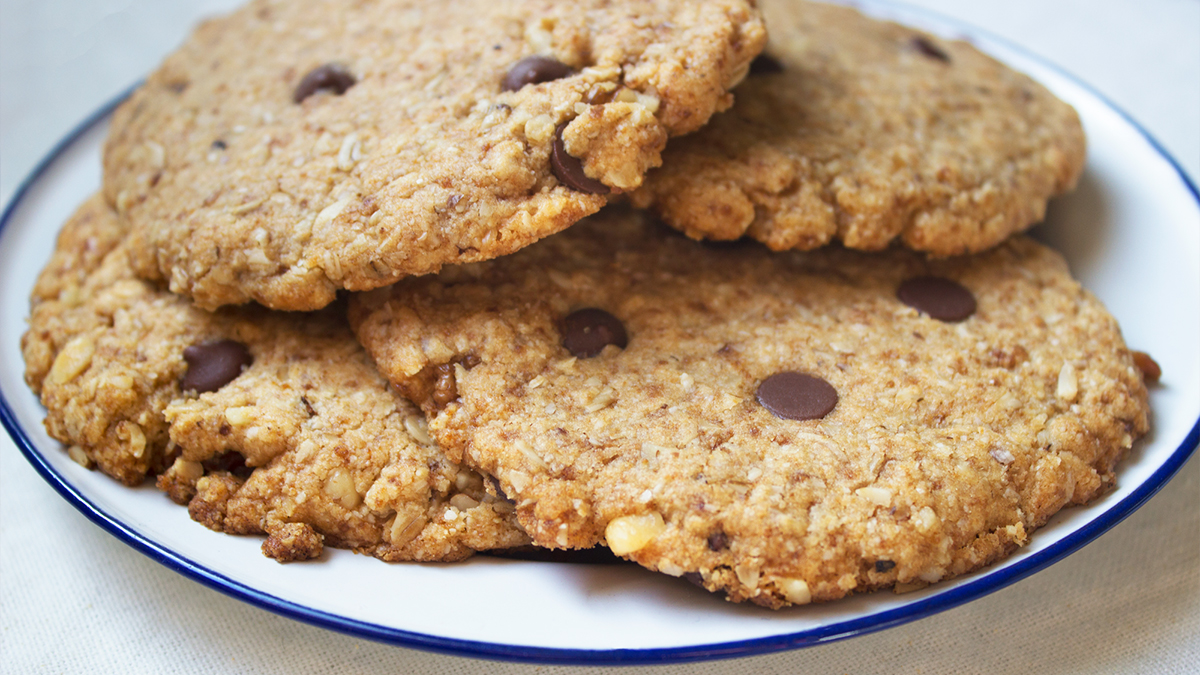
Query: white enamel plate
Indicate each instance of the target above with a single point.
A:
(1131, 232)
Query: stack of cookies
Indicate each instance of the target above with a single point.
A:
(411, 278)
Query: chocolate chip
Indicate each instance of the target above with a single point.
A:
(882, 566)
(214, 364)
(765, 64)
(231, 462)
(569, 169)
(219, 145)
(587, 332)
(330, 77)
(445, 389)
(794, 396)
(928, 48)
(694, 578)
(940, 298)
(535, 70)
(718, 541)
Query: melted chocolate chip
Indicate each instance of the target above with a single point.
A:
(882, 566)
(940, 298)
(445, 388)
(765, 64)
(330, 77)
(535, 70)
(587, 332)
(569, 170)
(928, 48)
(231, 462)
(794, 396)
(213, 365)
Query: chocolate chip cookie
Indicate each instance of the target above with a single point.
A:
(294, 148)
(865, 132)
(783, 427)
(259, 421)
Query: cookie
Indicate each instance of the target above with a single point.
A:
(294, 148)
(260, 421)
(865, 132)
(784, 427)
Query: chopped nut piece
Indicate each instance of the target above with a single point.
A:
(626, 534)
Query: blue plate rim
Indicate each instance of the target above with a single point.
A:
(966, 591)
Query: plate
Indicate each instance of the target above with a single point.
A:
(1131, 233)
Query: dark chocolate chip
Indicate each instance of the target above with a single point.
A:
(229, 461)
(794, 396)
(330, 77)
(928, 48)
(219, 145)
(882, 566)
(587, 332)
(214, 364)
(718, 541)
(940, 298)
(569, 170)
(535, 70)
(694, 578)
(765, 64)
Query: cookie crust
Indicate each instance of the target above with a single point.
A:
(240, 189)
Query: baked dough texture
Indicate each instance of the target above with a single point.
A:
(948, 445)
(291, 149)
(307, 444)
(866, 132)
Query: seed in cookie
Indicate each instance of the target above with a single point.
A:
(569, 169)
(535, 70)
(940, 298)
(213, 365)
(1149, 368)
(795, 396)
(586, 332)
(926, 47)
(330, 77)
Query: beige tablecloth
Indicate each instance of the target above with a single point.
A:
(73, 599)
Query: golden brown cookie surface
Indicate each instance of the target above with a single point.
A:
(295, 148)
(860, 131)
(260, 421)
(672, 399)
